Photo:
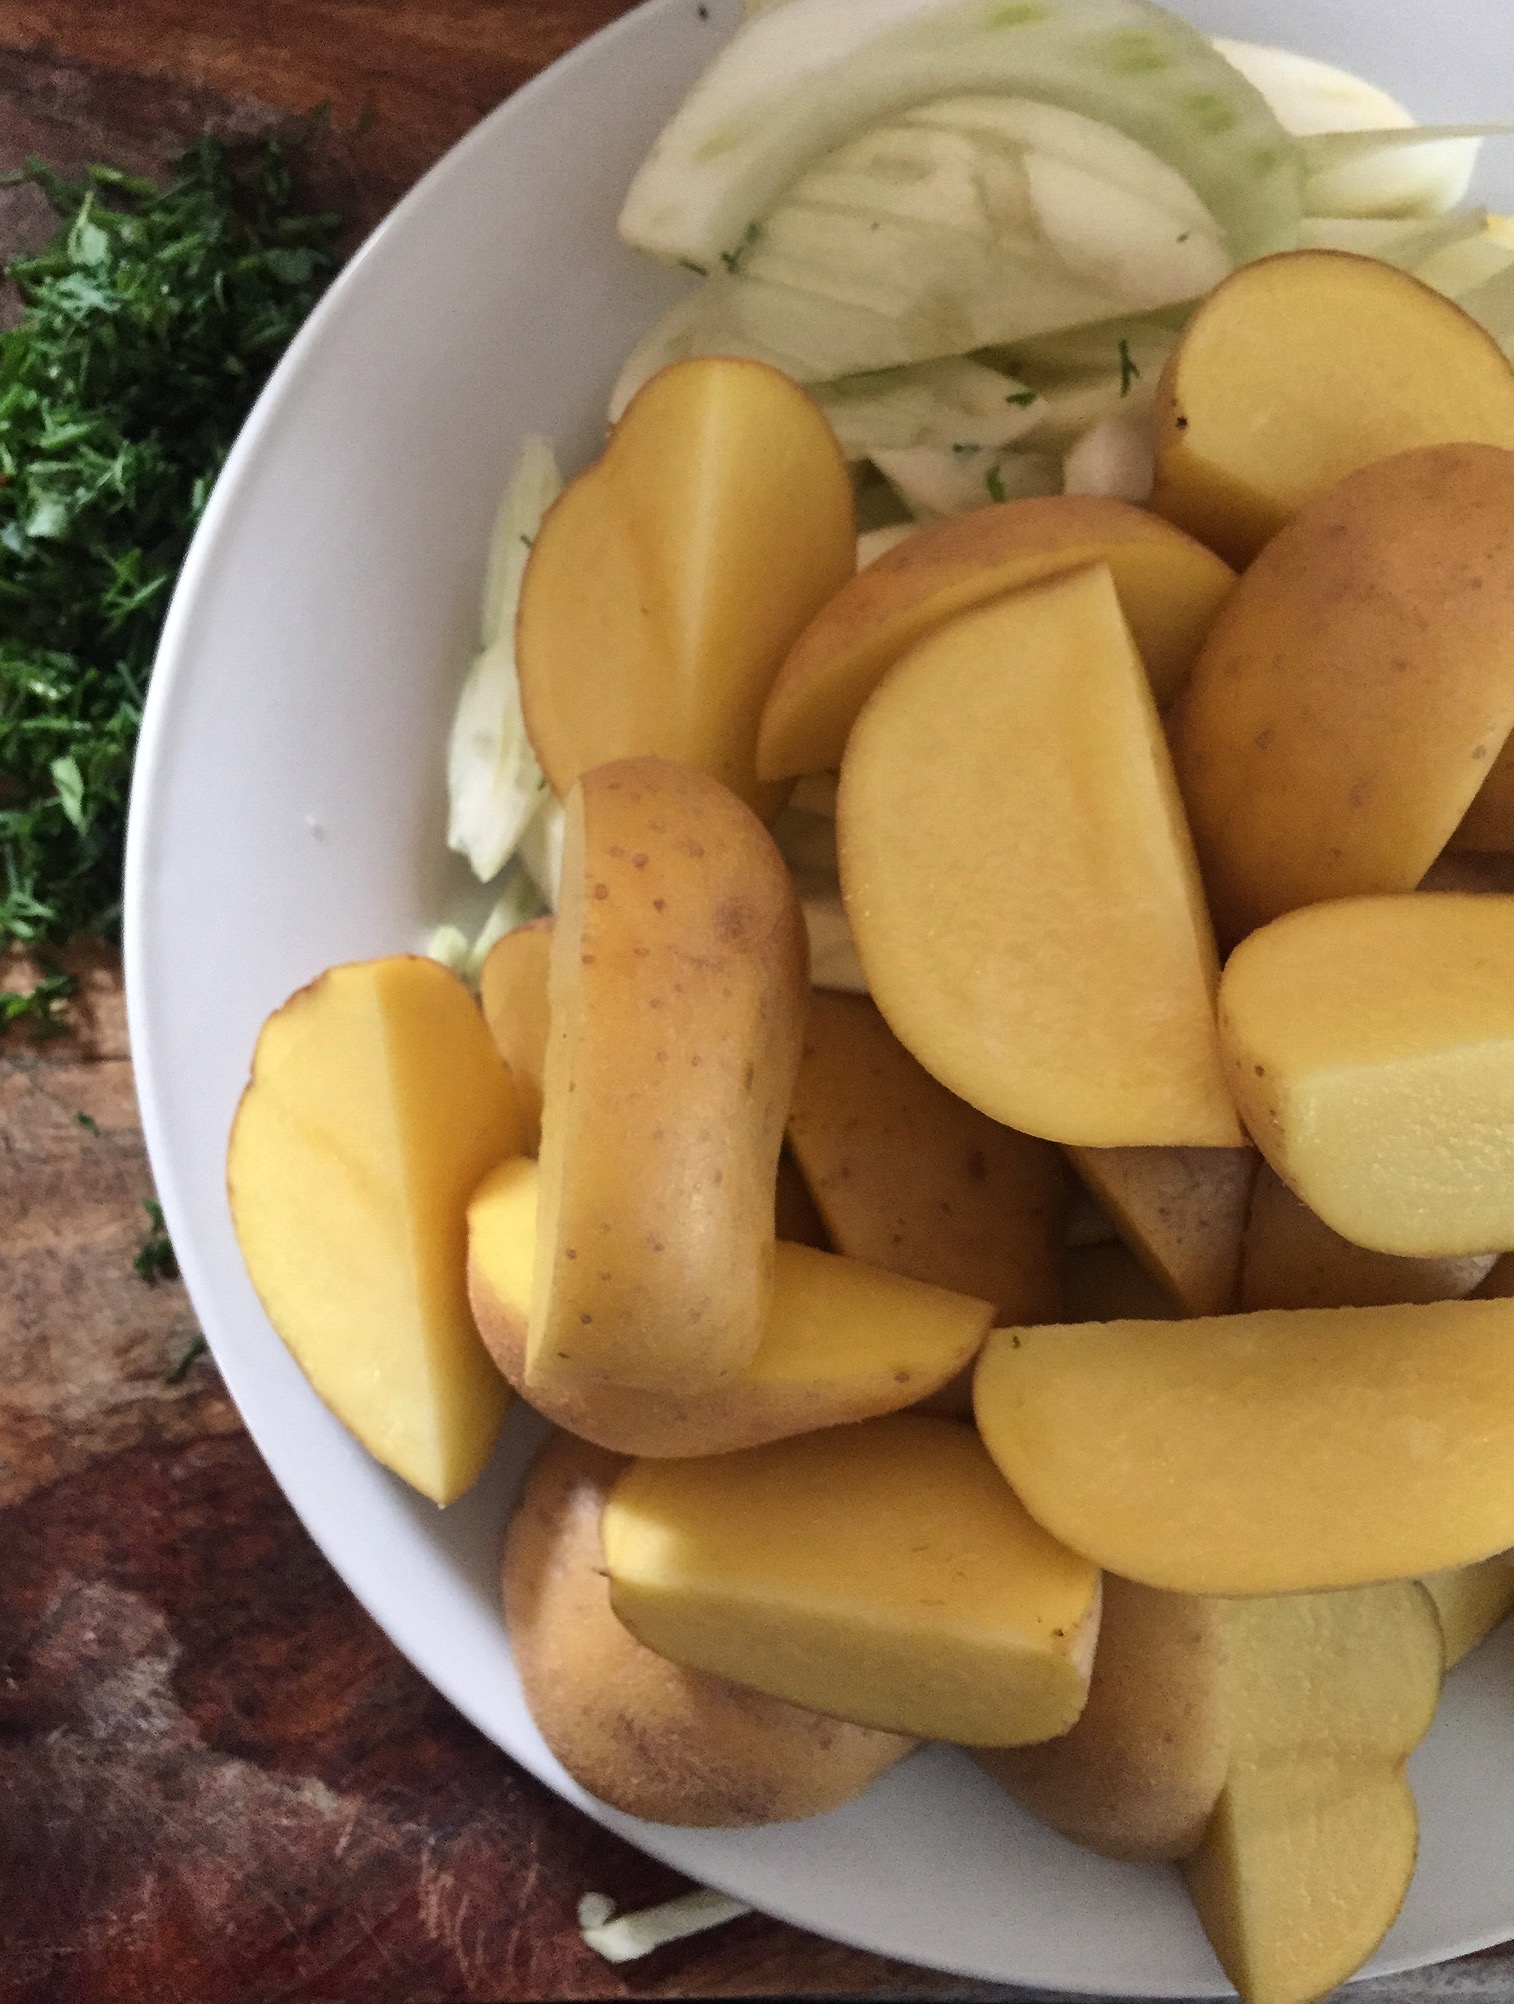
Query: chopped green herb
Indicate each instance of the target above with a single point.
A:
(39, 1008)
(180, 1370)
(736, 259)
(155, 1261)
(1023, 398)
(993, 480)
(151, 322)
(88, 1122)
(700, 271)
(1129, 373)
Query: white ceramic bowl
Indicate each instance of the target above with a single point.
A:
(288, 814)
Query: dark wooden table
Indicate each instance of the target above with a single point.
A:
(219, 1783)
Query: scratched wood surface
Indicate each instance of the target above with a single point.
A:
(219, 1784)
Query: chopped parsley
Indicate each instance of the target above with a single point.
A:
(151, 321)
(993, 480)
(1023, 398)
(1129, 373)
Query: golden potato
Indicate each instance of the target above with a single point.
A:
(842, 1342)
(1170, 587)
(1139, 1774)
(376, 1103)
(667, 583)
(1310, 1850)
(1020, 882)
(907, 1176)
(672, 1745)
(1370, 1048)
(513, 992)
(1355, 688)
(882, 1573)
(1181, 1211)
(678, 990)
(1302, 368)
(1277, 1452)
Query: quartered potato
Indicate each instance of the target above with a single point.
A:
(1182, 1212)
(632, 1727)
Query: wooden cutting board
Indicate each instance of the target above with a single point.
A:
(219, 1784)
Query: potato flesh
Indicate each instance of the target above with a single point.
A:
(513, 994)
(1170, 588)
(1277, 1452)
(882, 1573)
(1020, 882)
(376, 1104)
(1370, 1047)
(641, 1733)
(1305, 1864)
(843, 1342)
(909, 1177)
(1182, 1212)
(678, 987)
(1301, 369)
(667, 583)
(1354, 689)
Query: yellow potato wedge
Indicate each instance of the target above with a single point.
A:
(1170, 588)
(644, 1735)
(1303, 368)
(668, 582)
(1310, 1851)
(1138, 1776)
(1181, 1211)
(678, 990)
(513, 992)
(843, 1342)
(1355, 689)
(882, 1573)
(1293, 1260)
(1370, 1048)
(1270, 1453)
(1470, 1602)
(1020, 882)
(907, 1176)
(376, 1103)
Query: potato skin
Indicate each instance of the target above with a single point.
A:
(1139, 1774)
(639, 1732)
(1355, 689)
(678, 985)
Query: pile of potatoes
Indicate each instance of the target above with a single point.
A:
(1065, 1350)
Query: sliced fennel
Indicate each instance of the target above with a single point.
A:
(939, 404)
(541, 849)
(1392, 172)
(1311, 97)
(494, 784)
(799, 80)
(1115, 457)
(933, 484)
(965, 223)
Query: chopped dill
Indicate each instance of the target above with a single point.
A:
(150, 323)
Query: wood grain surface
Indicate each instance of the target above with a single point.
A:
(219, 1783)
